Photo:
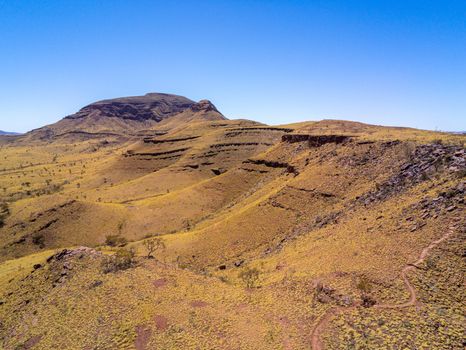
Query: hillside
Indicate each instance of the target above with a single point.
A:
(316, 235)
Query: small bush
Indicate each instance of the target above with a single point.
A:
(250, 277)
(224, 279)
(367, 300)
(39, 239)
(364, 285)
(431, 263)
(115, 241)
(123, 259)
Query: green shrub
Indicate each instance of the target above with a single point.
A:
(123, 259)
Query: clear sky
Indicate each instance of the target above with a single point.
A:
(389, 62)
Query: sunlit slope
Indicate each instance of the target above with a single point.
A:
(323, 185)
(160, 184)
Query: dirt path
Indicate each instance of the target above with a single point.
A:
(316, 343)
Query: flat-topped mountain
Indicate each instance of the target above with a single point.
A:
(126, 116)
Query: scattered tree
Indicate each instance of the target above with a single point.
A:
(152, 245)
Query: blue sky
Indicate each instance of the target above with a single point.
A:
(397, 62)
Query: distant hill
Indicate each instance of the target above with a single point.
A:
(8, 133)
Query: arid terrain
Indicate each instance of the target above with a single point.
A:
(154, 222)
